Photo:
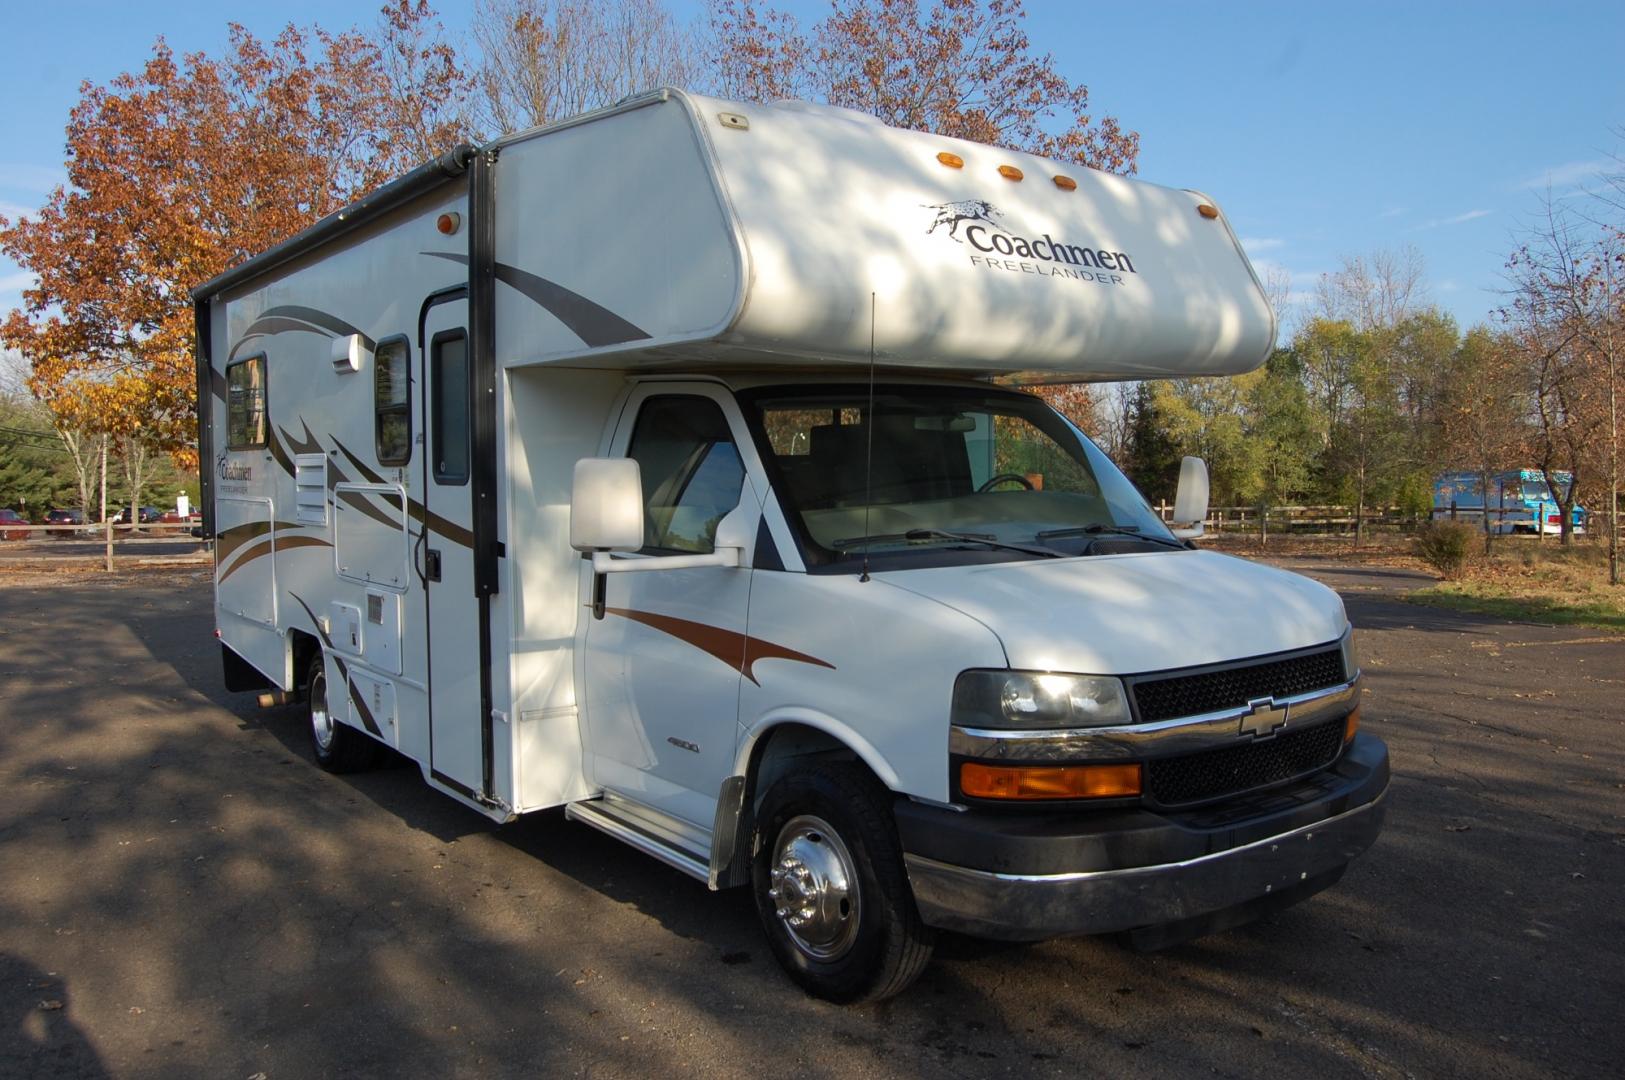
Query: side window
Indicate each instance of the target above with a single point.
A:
(449, 419)
(392, 402)
(692, 473)
(245, 403)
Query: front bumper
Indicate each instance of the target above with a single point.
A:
(1028, 877)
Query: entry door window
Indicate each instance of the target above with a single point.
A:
(692, 473)
(449, 423)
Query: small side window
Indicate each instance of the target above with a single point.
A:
(392, 402)
(692, 473)
(449, 417)
(245, 403)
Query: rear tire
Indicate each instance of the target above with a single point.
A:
(337, 747)
(830, 887)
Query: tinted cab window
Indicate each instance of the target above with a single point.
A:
(692, 473)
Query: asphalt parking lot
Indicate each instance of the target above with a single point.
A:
(182, 893)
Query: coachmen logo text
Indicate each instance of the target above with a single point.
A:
(973, 222)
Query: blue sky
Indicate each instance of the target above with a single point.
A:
(1323, 129)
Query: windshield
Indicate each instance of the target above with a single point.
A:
(954, 469)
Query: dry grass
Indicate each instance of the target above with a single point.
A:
(1536, 581)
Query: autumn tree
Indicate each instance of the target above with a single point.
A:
(1558, 307)
(1150, 453)
(188, 166)
(1482, 410)
(1373, 291)
(962, 68)
(544, 60)
(1280, 429)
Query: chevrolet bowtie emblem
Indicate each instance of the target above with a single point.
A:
(1263, 717)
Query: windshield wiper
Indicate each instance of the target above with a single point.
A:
(1102, 530)
(942, 534)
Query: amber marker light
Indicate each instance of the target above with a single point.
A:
(1351, 725)
(1066, 183)
(1207, 211)
(1009, 172)
(448, 223)
(953, 161)
(980, 781)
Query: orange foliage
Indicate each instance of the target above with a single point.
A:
(965, 68)
(185, 168)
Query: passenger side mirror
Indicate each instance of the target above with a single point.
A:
(1190, 499)
(606, 505)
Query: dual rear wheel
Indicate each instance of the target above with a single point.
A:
(337, 747)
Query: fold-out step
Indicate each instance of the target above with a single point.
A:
(623, 824)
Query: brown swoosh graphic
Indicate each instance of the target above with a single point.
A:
(416, 510)
(265, 547)
(738, 651)
(360, 704)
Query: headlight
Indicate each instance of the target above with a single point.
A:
(1038, 699)
(1351, 659)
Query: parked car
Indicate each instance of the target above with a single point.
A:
(11, 517)
(149, 514)
(72, 522)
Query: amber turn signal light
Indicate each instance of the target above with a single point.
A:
(953, 161)
(1207, 211)
(980, 781)
(1351, 725)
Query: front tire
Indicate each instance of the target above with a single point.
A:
(337, 747)
(830, 887)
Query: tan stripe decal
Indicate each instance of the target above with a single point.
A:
(266, 546)
(738, 651)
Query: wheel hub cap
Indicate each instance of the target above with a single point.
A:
(321, 721)
(815, 888)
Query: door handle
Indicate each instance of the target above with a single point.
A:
(431, 564)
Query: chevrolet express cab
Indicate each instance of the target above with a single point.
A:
(671, 465)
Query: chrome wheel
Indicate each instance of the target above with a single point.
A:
(321, 721)
(815, 888)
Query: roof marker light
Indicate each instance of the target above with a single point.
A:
(1009, 172)
(953, 161)
(1207, 211)
(1066, 183)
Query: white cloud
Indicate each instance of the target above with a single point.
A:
(1568, 174)
(1470, 215)
(25, 176)
(1261, 243)
(12, 211)
(17, 282)
(1391, 212)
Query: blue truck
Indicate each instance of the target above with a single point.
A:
(1521, 501)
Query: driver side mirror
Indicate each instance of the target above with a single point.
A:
(1190, 499)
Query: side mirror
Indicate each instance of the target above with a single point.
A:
(606, 505)
(1190, 499)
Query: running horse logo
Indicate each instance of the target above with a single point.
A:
(952, 214)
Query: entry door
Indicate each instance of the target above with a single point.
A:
(662, 667)
(445, 554)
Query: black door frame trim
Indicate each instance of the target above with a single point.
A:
(482, 244)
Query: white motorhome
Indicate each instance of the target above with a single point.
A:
(664, 465)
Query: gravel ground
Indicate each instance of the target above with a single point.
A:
(182, 893)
